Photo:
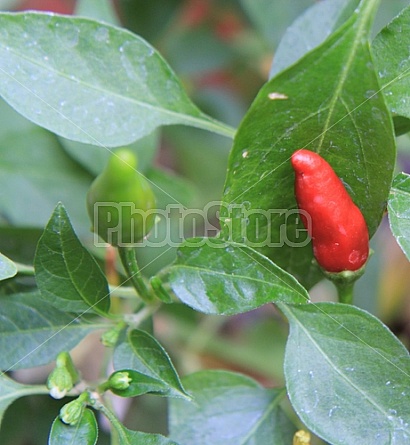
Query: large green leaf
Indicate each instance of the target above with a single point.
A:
(89, 81)
(85, 432)
(219, 277)
(7, 268)
(347, 376)
(66, 274)
(142, 352)
(391, 52)
(399, 211)
(309, 30)
(229, 409)
(11, 391)
(32, 332)
(329, 103)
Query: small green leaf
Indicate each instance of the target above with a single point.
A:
(309, 30)
(7, 268)
(83, 433)
(399, 213)
(89, 81)
(129, 437)
(391, 54)
(219, 277)
(32, 332)
(344, 119)
(142, 353)
(11, 391)
(347, 375)
(66, 274)
(229, 409)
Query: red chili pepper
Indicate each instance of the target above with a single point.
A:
(337, 227)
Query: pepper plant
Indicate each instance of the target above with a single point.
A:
(83, 98)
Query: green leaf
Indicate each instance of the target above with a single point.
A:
(140, 384)
(129, 437)
(66, 274)
(343, 119)
(229, 409)
(32, 332)
(309, 30)
(11, 391)
(142, 353)
(94, 158)
(347, 375)
(219, 277)
(84, 433)
(399, 213)
(391, 54)
(7, 268)
(36, 174)
(89, 81)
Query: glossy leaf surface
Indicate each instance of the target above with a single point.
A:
(66, 274)
(84, 433)
(343, 118)
(229, 409)
(347, 375)
(143, 353)
(57, 71)
(399, 211)
(7, 268)
(32, 332)
(391, 51)
(218, 277)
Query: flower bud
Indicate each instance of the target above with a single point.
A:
(119, 380)
(61, 380)
(71, 412)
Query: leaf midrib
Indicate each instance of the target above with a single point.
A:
(274, 403)
(232, 276)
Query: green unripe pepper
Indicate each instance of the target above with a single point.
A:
(120, 201)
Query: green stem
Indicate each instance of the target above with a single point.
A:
(344, 282)
(113, 420)
(129, 261)
(345, 292)
(24, 269)
(123, 291)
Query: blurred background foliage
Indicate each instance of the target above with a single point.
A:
(222, 50)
